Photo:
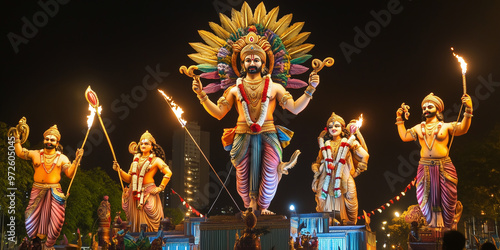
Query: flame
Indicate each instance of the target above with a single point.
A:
(90, 118)
(462, 62)
(175, 108)
(360, 121)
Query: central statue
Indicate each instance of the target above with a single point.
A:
(237, 55)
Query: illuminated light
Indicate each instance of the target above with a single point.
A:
(388, 235)
(396, 214)
(462, 62)
(393, 246)
(384, 222)
(385, 245)
(175, 108)
(482, 212)
(379, 210)
(292, 208)
(387, 204)
(403, 193)
(383, 228)
(397, 198)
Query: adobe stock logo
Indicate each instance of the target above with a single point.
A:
(362, 38)
(39, 19)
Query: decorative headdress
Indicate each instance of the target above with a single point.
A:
(53, 131)
(334, 117)
(148, 136)
(259, 33)
(435, 100)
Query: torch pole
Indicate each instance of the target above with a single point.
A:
(77, 164)
(110, 146)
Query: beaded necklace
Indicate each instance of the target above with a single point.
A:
(42, 159)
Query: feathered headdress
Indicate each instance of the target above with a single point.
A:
(287, 51)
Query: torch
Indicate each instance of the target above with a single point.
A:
(90, 120)
(463, 65)
(178, 113)
(91, 97)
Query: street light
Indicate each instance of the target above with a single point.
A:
(396, 214)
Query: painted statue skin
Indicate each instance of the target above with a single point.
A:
(140, 200)
(256, 172)
(46, 208)
(436, 176)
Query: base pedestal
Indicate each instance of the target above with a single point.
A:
(219, 232)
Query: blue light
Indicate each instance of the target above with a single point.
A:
(292, 208)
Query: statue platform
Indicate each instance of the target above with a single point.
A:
(332, 237)
(219, 232)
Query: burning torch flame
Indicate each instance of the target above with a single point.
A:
(360, 121)
(462, 62)
(175, 108)
(90, 118)
(358, 124)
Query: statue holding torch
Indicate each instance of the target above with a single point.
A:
(252, 61)
(436, 175)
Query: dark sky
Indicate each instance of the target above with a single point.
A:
(114, 45)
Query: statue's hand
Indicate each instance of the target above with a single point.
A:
(156, 190)
(314, 79)
(400, 110)
(197, 86)
(79, 154)
(467, 101)
(116, 166)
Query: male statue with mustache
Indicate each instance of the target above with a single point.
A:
(436, 175)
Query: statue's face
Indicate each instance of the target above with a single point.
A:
(335, 128)
(50, 142)
(429, 110)
(146, 146)
(252, 64)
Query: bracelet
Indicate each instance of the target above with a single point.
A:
(17, 140)
(399, 122)
(468, 110)
(162, 187)
(468, 115)
(399, 118)
(202, 100)
(309, 91)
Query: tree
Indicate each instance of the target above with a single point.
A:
(398, 230)
(478, 171)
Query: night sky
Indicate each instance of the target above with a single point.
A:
(115, 45)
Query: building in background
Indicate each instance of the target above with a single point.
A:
(190, 168)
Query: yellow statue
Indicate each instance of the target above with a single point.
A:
(436, 176)
(46, 208)
(343, 155)
(140, 200)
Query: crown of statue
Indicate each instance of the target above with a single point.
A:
(53, 131)
(334, 117)
(148, 136)
(435, 100)
(252, 47)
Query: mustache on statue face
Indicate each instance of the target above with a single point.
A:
(49, 146)
(253, 69)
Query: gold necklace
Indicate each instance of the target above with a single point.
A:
(254, 91)
(430, 128)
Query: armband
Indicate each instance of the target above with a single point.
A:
(412, 133)
(284, 99)
(65, 166)
(222, 101)
(26, 154)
